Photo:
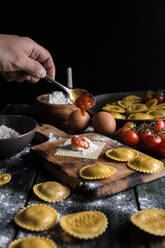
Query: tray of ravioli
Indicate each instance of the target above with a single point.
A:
(93, 164)
(125, 106)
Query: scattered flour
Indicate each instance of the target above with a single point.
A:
(58, 97)
(51, 137)
(7, 132)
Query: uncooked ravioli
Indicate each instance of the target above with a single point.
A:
(150, 220)
(36, 217)
(51, 191)
(84, 225)
(140, 116)
(32, 242)
(122, 154)
(96, 171)
(4, 178)
(146, 164)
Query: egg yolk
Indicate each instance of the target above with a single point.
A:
(84, 102)
(80, 141)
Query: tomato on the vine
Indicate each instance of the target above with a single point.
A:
(161, 149)
(148, 95)
(162, 135)
(152, 143)
(129, 124)
(120, 132)
(157, 124)
(159, 95)
(144, 131)
(130, 138)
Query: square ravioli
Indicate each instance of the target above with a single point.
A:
(66, 149)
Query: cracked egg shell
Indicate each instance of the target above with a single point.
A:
(96, 171)
(84, 225)
(146, 164)
(122, 154)
(151, 221)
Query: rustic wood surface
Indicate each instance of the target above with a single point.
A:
(119, 207)
(67, 168)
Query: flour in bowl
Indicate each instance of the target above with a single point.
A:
(58, 97)
(7, 132)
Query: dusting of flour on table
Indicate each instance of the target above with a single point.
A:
(58, 97)
(7, 132)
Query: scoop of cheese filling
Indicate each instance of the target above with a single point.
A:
(82, 144)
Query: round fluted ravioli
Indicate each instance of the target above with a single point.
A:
(117, 115)
(36, 217)
(84, 225)
(140, 116)
(151, 221)
(122, 154)
(51, 191)
(136, 108)
(115, 108)
(4, 178)
(33, 242)
(146, 164)
(96, 171)
(132, 99)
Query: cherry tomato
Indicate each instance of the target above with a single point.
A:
(130, 138)
(152, 143)
(129, 124)
(161, 149)
(157, 124)
(148, 95)
(120, 132)
(162, 135)
(80, 141)
(144, 131)
(159, 95)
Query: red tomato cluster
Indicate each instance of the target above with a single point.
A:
(150, 136)
(159, 95)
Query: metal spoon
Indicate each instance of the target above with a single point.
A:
(73, 93)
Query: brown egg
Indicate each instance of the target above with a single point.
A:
(104, 123)
(78, 122)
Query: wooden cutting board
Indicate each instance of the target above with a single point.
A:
(66, 169)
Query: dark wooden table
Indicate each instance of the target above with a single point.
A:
(118, 208)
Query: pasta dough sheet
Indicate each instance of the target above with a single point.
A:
(67, 151)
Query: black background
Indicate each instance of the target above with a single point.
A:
(115, 47)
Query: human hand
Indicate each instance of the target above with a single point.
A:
(22, 59)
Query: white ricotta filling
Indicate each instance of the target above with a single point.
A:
(92, 147)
